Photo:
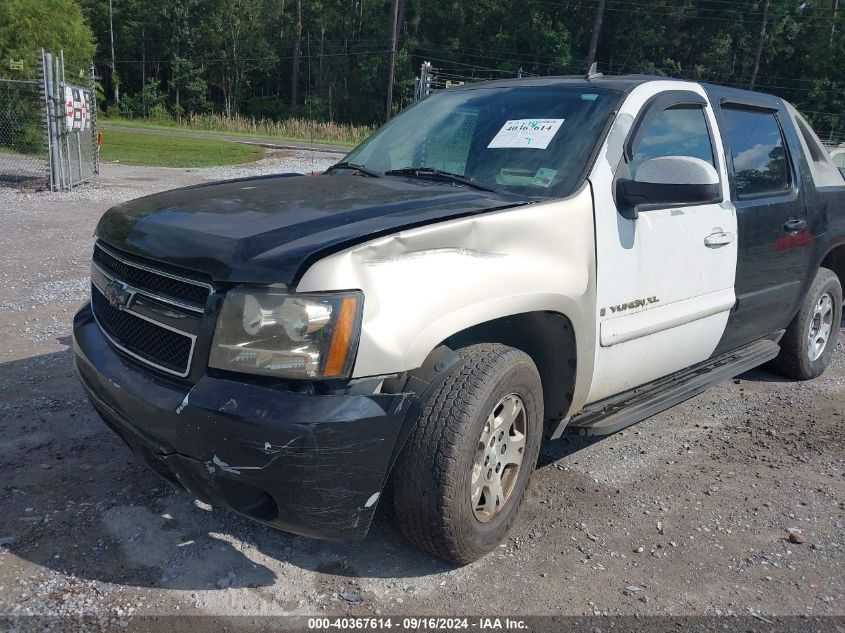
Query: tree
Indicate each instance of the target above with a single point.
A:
(760, 45)
(594, 40)
(55, 25)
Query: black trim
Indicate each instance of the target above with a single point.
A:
(732, 104)
(622, 410)
(633, 197)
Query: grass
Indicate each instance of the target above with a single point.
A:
(302, 130)
(152, 150)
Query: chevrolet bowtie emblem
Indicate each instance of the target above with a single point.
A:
(118, 294)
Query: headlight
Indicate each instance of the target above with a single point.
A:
(270, 332)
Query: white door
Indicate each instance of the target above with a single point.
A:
(665, 279)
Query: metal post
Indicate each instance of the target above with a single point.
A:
(69, 184)
(92, 111)
(57, 125)
(49, 113)
(79, 153)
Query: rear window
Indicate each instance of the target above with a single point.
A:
(839, 160)
(823, 170)
(758, 153)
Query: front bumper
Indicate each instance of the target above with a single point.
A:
(304, 463)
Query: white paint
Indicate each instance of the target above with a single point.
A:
(422, 285)
(526, 133)
(235, 470)
(184, 403)
(661, 254)
(436, 284)
(625, 328)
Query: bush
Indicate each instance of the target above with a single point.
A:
(30, 138)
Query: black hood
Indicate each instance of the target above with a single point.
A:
(264, 230)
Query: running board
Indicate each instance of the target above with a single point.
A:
(617, 412)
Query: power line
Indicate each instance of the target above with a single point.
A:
(242, 59)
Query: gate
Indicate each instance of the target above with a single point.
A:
(71, 125)
(48, 129)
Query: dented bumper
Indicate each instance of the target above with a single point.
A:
(304, 463)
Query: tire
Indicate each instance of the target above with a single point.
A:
(439, 468)
(797, 359)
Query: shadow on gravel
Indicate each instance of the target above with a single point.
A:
(75, 501)
(550, 452)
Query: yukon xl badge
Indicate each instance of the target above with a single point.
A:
(118, 294)
(629, 305)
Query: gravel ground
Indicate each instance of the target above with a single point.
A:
(687, 513)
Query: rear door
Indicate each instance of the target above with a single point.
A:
(775, 244)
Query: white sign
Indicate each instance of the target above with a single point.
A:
(531, 133)
(77, 111)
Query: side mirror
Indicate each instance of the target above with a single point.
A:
(667, 181)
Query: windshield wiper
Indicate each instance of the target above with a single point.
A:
(431, 172)
(347, 165)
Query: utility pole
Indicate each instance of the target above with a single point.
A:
(143, 72)
(297, 46)
(394, 26)
(760, 46)
(594, 40)
(835, 13)
(114, 83)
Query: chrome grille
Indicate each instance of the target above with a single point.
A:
(146, 341)
(159, 283)
(153, 316)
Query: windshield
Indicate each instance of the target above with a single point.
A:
(529, 140)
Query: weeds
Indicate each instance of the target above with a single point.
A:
(295, 129)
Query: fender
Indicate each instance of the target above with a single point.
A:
(423, 285)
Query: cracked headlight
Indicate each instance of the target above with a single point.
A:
(275, 333)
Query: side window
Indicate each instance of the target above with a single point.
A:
(839, 160)
(677, 131)
(757, 150)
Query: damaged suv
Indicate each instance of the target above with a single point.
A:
(500, 263)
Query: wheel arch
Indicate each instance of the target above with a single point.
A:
(835, 261)
(548, 338)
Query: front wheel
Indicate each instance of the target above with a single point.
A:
(809, 342)
(462, 474)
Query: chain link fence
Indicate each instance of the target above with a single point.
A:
(24, 157)
(48, 129)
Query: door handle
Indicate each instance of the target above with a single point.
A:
(793, 226)
(716, 240)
